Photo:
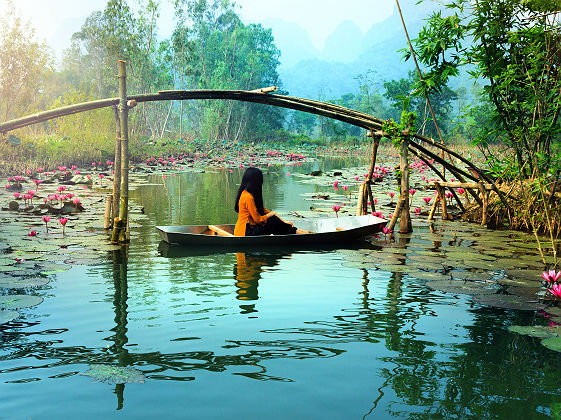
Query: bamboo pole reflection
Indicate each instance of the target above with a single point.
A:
(120, 304)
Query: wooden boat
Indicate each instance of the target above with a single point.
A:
(325, 231)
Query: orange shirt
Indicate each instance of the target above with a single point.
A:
(248, 214)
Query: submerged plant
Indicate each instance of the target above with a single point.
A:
(115, 374)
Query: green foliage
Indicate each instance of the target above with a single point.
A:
(215, 50)
(406, 93)
(513, 47)
(25, 64)
(398, 132)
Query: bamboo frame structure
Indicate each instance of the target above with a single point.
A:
(263, 96)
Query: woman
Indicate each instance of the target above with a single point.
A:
(253, 218)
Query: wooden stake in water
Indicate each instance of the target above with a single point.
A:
(119, 227)
(107, 218)
(405, 218)
(117, 163)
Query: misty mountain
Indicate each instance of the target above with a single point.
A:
(307, 72)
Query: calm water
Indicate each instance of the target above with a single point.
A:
(263, 335)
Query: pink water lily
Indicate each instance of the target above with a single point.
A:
(387, 231)
(46, 220)
(460, 191)
(555, 289)
(391, 194)
(427, 200)
(551, 276)
(16, 195)
(63, 221)
(412, 192)
(32, 233)
(336, 209)
(417, 210)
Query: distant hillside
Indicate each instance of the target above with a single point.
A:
(308, 72)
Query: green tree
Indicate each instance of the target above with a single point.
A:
(397, 91)
(25, 65)
(513, 47)
(216, 50)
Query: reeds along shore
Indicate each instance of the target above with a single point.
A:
(533, 207)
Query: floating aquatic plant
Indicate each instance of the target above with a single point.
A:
(23, 283)
(19, 301)
(8, 316)
(115, 374)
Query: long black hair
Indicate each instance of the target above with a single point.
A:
(252, 182)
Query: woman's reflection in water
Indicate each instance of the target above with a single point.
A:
(247, 272)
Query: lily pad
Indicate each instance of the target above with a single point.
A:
(509, 302)
(395, 268)
(356, 264)
(553, 310)
(23, 283)
(532, 292)
(483, 265)
(8, 316)
(552, 343)
(428, 275)
(472, 275)
(462, 287)
(539, 331)
(526, 274)
(83, 261)
(518, 282)
(115, 374)
(19, 301)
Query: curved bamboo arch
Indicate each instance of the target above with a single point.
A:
(306, 105)
(324, 109)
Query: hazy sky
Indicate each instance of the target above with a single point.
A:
(56, 20)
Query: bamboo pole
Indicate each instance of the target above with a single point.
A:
(119, 227)
(440, 175)
(421, 79)
(405, 218)
(485, 198)
(442, 198)
(398, 207)
(107, 218)
(375, 145)
(370, 198)
(455, 171)
(360, 203)
(117, 163)
(433, 208)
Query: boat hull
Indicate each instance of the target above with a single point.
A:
(327, 231)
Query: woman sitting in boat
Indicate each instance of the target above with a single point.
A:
(253, 218)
